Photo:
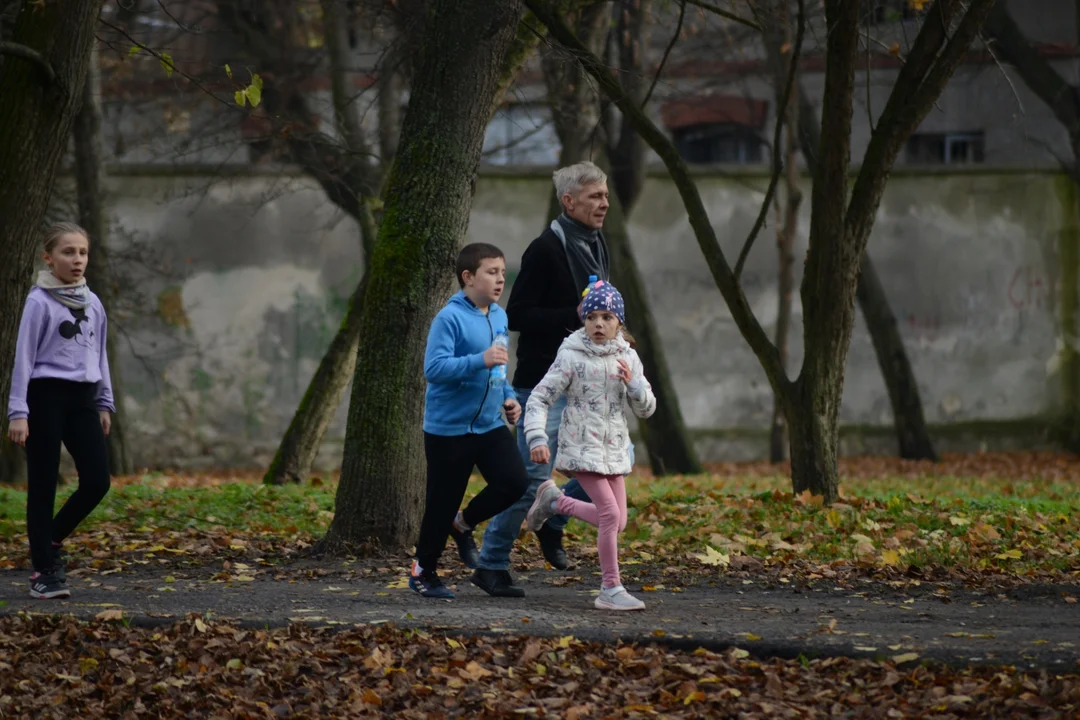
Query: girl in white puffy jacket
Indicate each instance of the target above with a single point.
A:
(598, 369)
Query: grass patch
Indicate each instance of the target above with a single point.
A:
(954, 516)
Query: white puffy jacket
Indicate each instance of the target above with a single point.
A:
(593, 436)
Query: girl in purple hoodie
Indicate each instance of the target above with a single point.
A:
(60, 393)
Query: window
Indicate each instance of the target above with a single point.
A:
(719, 143)
(521, 134)
(946, 148)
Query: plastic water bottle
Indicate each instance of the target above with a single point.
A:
(592, 281)
(498, 372)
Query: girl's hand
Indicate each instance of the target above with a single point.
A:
(624, 371)
(18, 431)
(106, 421)
(540, 455)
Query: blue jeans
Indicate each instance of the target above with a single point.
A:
(503, 529)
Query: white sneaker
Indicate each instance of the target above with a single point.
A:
(617, 598)
(541, 510)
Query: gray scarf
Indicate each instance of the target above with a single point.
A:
(75, 296)
(586, 250)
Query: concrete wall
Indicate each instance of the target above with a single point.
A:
(235, 286)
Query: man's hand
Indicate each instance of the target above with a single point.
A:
(106, 421)
(540, 455)
(18, 431)
(512, 408)
(496, 355)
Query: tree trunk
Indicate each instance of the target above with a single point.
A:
(670, 449)
(828, 286)
(380, 498)
(299, 446)
(92, 216)
(778, 36)
(911, 431)
(913, 437)
(301, 443)
(41, 98)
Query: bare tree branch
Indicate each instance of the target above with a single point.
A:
(25, 52)
(667, 52)
(919, 83)
(777, 163)
(725, 13)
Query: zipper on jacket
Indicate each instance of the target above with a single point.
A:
(487, 385)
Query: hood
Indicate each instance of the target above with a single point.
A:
(461, 299)
(579, 340)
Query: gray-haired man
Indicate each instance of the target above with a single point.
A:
(543, 309)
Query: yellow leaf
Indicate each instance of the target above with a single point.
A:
(905, 657)
(739, 653)
(751, 636)
(1013, 554)
(228, 71)
(371, 698)
(714, 557)
(235, 664)
(106, 615)
(696, 696)
(240, 97)
(86, 664)
(959, 521)
(834, 518)
(890, 557)
(200, 625)
(453, 643)
(564, 642)
(540, 669)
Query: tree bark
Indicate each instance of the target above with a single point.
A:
(380, 497)
(36, 116)
(90, 191)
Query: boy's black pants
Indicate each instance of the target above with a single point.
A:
(61, 411)
(450, 462)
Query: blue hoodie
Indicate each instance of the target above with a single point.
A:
(459, 400)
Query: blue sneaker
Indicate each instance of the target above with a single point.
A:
(428, 584)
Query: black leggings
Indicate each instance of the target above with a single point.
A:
(61, 411)
(450, 462)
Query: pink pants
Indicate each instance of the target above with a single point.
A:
(607, 512)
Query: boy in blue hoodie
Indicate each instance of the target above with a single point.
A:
(463, 423)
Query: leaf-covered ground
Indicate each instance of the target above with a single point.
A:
(55, 667)
(984, 519)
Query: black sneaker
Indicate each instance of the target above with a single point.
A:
(466, 548)
(59, 561)
(551, 546)
(428, 584)
(497, 583)
(46, 586)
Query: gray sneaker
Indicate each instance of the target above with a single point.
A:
(541, 510)
(617, 598)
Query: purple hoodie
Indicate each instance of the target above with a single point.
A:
(58, 342)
